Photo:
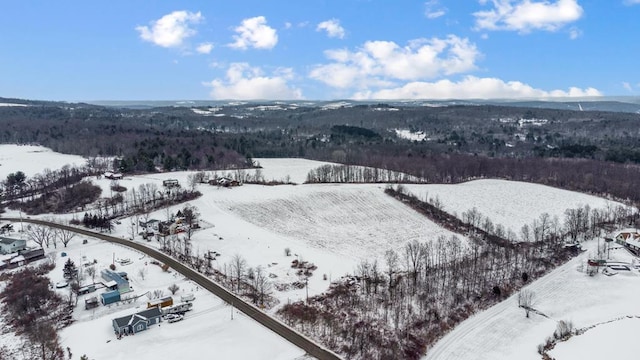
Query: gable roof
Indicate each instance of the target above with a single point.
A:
(141, 316)
(9, 241)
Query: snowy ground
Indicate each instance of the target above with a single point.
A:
(567, 293)
(335, 227)
(14, 158)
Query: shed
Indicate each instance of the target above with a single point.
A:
(110, 297)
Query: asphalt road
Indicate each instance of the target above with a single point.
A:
(253, 312)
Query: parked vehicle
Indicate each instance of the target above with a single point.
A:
(171, 318)
(62, 284)
(187, 297)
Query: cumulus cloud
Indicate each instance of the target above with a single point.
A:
(332, 27)
(631, 2)
(380, 63)
(527, 15)
(254, 33)
(244, 82)
(627, 86)
(204, 48)
(471, 87)
(170, 30)
(434, 10)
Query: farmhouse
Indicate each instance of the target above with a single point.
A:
(137, 322)
(9, 245)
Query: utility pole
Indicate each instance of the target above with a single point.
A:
(232, 310)
(307, 288)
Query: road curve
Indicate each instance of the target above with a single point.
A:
(253, 312)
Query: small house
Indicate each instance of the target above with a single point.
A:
(9, 245)
(135, 323)
(110, 297)
(170, 183)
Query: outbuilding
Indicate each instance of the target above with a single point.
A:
(110, 297)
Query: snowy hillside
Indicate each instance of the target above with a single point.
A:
(334, 226)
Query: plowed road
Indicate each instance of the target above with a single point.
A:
(276, 326)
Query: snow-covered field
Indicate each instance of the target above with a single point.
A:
(335, 226)
(509, 203)
(31, 159)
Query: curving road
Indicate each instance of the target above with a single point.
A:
(253, 312)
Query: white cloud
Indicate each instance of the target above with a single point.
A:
(255, 33)
(627, 86)
(527, 15)
(170, 30)
(574, 33)
(332, 27)
(471, 87)
(434, 10)
(244, 82)
(631, 2)
(378, 63)
(204, 48)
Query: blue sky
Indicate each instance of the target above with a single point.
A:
(318, 49)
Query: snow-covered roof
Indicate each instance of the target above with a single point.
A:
(17, 259)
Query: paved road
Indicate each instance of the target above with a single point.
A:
(276, 326)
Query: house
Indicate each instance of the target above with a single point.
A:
(114, 280)
(169, 183)
(9, 245)
(135, 323)
(113, 176)
(110, 297)
(630, 238)
(225, 182)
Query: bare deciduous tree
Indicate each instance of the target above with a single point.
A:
(65, 236)
(41, 235)
(173, 288)
(526, 299)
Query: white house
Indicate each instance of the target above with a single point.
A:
(8, 245)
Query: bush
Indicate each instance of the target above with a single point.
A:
(564, 329)
(112, 267)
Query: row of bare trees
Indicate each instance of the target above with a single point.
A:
(46, 236)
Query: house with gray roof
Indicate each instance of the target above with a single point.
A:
(9, 245)
(135, 323)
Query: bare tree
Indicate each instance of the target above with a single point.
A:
(65, 236)
(261, 284)
(142, 272)
(91, 271)
(526, 299)
(238, 265)
(391, 260)
(41, 235)
(173, 288)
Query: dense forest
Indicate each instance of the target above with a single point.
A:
(591, 151)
